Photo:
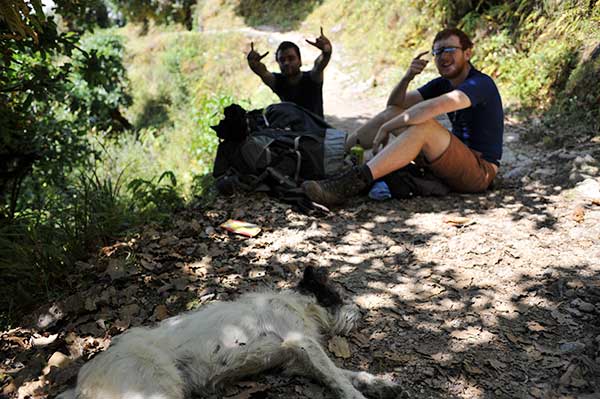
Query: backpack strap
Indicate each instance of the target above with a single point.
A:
(298, 157)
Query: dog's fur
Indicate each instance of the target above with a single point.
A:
(201, 351)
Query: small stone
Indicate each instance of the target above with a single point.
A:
(572, 347)
(587, 307)
(116, 269)
(573, 311)
(589, 188)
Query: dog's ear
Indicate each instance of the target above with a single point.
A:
(319, 275)
(316, 282)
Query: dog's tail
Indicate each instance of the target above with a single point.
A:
(69, 394)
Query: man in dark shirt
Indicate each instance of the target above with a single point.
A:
(466, 159)
(292, 84)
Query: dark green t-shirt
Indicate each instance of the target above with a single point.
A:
(306, 93)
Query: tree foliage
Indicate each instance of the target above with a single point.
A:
(53, 92)
(160, 11)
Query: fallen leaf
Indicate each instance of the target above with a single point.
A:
(458, 221)
(469, 368)
(512, 338)
(535, 326)
(116, 269)
(58, 360)
(256, 273)
(31, 389)
(339, 347)
(160, 312)
(43, 341)
(578, 214)
(250, 388)
(497, 364)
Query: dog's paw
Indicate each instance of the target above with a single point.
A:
(378, 388)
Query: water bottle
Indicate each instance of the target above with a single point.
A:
(357, 153)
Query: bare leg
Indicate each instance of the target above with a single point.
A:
(366, 133)
(430, 137)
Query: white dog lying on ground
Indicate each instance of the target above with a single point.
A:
(198, 353)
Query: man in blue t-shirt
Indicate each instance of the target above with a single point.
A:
(292, 84)
(466, 159)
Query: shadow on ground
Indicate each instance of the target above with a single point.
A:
(503, 304)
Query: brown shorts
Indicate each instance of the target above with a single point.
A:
(463, 169)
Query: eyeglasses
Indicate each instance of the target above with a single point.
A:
(450, 50)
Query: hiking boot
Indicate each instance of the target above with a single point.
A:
(337, 190)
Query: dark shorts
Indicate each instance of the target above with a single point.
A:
(462, 169)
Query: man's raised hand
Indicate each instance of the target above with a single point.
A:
(416, 66)
(321, 43)
(254, 56)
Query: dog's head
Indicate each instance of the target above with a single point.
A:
(343, 317)
(316, 282)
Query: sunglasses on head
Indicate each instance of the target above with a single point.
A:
(450, 49)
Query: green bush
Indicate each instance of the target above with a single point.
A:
(39, 247)
(156, 198)
(98, 83)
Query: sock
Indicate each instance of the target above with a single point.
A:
(366, 173)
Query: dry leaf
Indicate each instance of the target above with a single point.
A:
(469, 368)
(595, 201)
(535, 326)
(250, 389)
(43, 341)
(257, 273)
(58, 360)
(498, 365)
(339, 347)
(512, 338)
(578, 214)
(160, 312)
(458, 221)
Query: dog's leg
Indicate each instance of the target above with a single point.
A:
(311, 360)
(373, 386)
(264, 353)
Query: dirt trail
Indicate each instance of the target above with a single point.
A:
(495, 295)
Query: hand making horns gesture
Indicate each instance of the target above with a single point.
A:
(417, 65)
(254, 56)
(321, 43)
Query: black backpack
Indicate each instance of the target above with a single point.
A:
(275, 150)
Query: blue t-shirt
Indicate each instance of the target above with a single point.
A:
(480, 126)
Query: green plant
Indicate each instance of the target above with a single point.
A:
(39, 247)
(286, 14)
(156, 198)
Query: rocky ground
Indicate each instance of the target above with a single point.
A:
(495, 295)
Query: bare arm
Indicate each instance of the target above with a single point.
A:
(254, 62)
(398, 97)
(422, 112)
(322, 60)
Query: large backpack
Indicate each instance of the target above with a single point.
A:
(275, 150)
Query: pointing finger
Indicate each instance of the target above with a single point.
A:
(422, 54)
(264, 55)
(322, 31)
(251, 46)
